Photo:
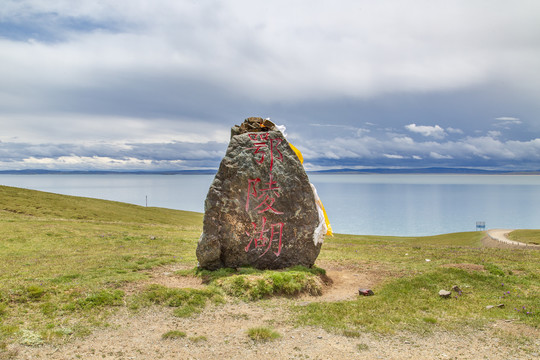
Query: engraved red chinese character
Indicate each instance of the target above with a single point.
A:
(265, 197)
(252, 191)
(262, 143)
(260, 239)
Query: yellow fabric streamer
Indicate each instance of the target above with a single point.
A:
(329, 231)
(297, 152)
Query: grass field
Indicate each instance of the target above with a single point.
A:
(526, 236)
(65, 263)
(64, 260)
(417, 269)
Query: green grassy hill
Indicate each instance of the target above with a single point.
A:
(66, 262)
(57, 252)
(531, 237)
(45, 205)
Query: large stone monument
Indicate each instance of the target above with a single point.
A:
(260, 210)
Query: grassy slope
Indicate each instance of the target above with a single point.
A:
(63, 261)
(62, 258)
(526, 236)
(416, 269)
(53, 206)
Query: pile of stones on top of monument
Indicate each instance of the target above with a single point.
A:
(253, 124)
(260, 210)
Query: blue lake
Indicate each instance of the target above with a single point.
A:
(407, 205)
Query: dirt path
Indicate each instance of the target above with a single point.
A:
(219, 332)
(224, 328)
(501, 235)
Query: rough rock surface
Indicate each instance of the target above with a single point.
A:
(260, 210)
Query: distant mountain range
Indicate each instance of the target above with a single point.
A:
(104, 172)
(432, 170)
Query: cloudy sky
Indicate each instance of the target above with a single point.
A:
(157, 84)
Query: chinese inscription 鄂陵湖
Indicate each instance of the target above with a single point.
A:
(262, 196)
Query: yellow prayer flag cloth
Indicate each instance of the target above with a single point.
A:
(319, 202)
(297, 152)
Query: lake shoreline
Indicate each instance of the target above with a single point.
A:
(385, 205)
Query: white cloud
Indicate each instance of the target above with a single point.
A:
(469, 149)
(74, 162)
(348, 129)
(82, 128)
(451, 130)
(361, 131)
(353, 150)
(391, 156)
(403, 140)
(151, 80)
(434, 131)
(339, 126)
(509, 118)
(266, 51)
(524, 149)
(438, 156)
(507, 121)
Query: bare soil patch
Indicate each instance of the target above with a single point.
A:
(345, 280)
(465, 266)
(165, 276)
(220, 331)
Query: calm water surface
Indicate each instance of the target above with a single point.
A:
(412, 205)
(408, 205)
